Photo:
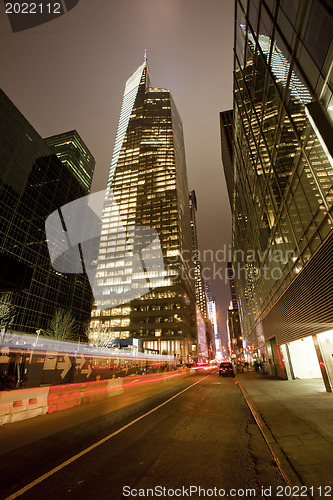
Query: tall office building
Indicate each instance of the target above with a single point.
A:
(212, 315)
(235, 344)
(34, 183)
(147, 206)
(73, 152)
(235, 340)
(196, 264)
(227, 142)
(232, 285)
(283, 173)
(204, 326)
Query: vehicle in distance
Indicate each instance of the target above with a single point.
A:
(226, 370)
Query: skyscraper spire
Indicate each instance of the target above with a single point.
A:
(140, 293)
(145, 56)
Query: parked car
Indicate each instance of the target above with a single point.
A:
(226, 370)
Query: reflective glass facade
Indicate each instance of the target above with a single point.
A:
(72, 151)
(197, 269)
(283, 169)
(148, 186)
(227, 141)
(33, 183)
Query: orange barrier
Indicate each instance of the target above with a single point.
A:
(95, 391)
(23, 403)
(27, 403)
(61, 397)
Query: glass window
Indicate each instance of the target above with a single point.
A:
(290, 8)
(318, 34)
(240, 34)
(271, 5)
(325, 227)
(266, 24)
(310, 69)
(253, 17)
(286, 28)
(302, 206)
(243, 3)
(310, 190)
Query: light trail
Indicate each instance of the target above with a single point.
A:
(95, 445)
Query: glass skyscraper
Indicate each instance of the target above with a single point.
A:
(34, 183)
(282, 184)
(204, 325)
(227, 140)
(73, 152)
(147, 206)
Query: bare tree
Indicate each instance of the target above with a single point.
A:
(99, 336)
(6, 304)
(61, 326)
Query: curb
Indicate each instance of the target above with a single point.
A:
(287, 471)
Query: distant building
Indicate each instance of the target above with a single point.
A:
(198, 281)
(34, 183)
(233, 323)
(227, 141)
(148, 185)
(232, 285)
(212, 315)
(73, 152)
(235, 334)
(283, 177)
(206, 340)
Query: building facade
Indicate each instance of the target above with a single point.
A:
(282, 194)
(212, 316)
(34, 183)
(74, 154)
(235, 338)
(204, 325)
(147, 210)
(227, 143)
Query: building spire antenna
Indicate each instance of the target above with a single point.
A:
(145, 56)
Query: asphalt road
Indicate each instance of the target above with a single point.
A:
(199, 434)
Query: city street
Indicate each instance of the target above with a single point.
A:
(166, 249)
(202, 435)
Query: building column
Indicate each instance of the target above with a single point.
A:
(322, 364)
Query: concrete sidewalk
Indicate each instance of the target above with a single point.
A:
(299, 416)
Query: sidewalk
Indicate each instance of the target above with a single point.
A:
(299, 416)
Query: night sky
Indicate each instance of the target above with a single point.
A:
(70, 74)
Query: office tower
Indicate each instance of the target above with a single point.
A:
(197, 267)
(233, 323)
(235, 339)
(283, 172)
(232, 285)
(204, 326)
(227, 141)
(147, 198)
(73, 152)
(34, 183)
(212, 315)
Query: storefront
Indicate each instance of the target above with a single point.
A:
(310, 357)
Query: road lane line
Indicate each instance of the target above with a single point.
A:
(90, 448)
